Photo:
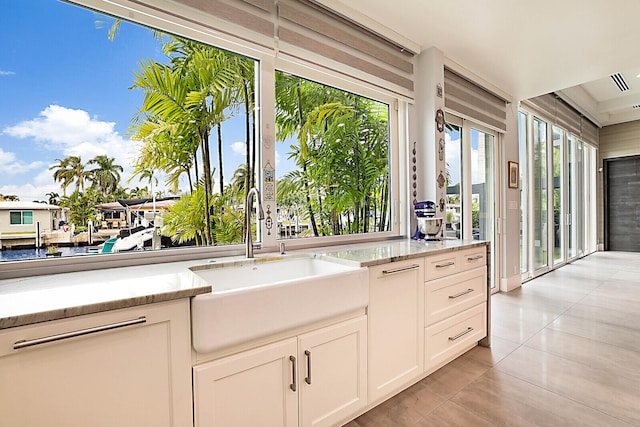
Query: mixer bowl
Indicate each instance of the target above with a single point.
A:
(430, 226)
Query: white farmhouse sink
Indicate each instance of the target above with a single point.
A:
(261, 297)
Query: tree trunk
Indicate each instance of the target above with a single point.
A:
(221, 173)
(365, 215)
(206, 165)
(384, 205)
(312, 217)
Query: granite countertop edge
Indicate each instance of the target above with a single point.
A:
(360, 254)
(81, 310)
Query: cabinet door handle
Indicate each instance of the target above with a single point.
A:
(461, 334)
(475, 258)
(448, 264)
(308, 377)
(294, 374)
(71, 334)
(468, 291)
(401, 269)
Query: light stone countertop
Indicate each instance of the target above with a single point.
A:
(369, 254)
(29, 300)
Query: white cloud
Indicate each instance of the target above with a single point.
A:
(6, 73)
(76, 133)
(10, 165)
(30, 192)
(239, 148)
(277, 159)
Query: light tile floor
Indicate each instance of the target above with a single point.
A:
(565, 352)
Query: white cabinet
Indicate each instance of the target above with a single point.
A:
(252, 388)
(128, 367)
(455, 304)
(396, 326)
(315, 379)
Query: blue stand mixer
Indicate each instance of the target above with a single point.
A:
(429, 226)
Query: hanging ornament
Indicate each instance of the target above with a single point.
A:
(441, 180)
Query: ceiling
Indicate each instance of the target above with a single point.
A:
(526, 48)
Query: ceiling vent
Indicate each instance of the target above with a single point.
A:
(619, 80)
(635, 107)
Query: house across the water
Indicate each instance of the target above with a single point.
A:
(23, 223)
(128, 213)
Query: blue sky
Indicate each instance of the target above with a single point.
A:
(64, 91)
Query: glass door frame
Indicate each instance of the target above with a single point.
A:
(578, 217)
(564, 190)
(466, 190)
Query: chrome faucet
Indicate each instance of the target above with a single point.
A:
(248, 207)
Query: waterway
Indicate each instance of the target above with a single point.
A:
(24, 254)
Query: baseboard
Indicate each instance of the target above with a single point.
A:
(510, 283)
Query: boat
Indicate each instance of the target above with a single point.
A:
(135, 240)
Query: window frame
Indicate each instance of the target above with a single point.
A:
(22, 217)
(181, 20)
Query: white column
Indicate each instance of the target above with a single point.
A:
(429, 87)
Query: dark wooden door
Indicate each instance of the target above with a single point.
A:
(622, 204)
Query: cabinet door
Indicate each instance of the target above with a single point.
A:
(333, 372)
(396, 319)
(127, 367)
(253, 388)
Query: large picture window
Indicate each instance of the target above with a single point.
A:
(333, 167)
(153, 137)
(132, 131)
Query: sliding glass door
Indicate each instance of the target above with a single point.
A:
(482, 185)
(471, 160)
(573, 199)
(523, 140)
(557, 204)
(540, 196)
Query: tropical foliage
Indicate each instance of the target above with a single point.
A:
(185, 101)
(338, 141)
(341, 149)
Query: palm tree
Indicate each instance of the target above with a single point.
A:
(106, 176)
(185, 92)
(63, 173)
(54, 198)
(69, 170)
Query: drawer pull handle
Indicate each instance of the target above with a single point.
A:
(468, 291)
(72, 334)
(475, 258)
(401, 269)
(461, 334)
(308, 377)
(294, 374)
(448, 264)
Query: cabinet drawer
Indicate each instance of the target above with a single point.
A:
(449, 263)
(472, 258)
(452, 337)
(440, 265)
(453, 294)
